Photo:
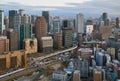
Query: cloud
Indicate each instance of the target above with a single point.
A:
(69, 7)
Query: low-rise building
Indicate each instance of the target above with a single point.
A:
(76, 75)
(103, 29)
(18, 58)
(46, 44)
(97, 75)
(85, 53)
(59, 76)
(30, 45)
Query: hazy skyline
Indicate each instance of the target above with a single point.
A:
(63, 7)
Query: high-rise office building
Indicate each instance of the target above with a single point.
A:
(24, 19)
(67, 37)
(46, 15)
(80, 23)
(68, 23)
(13, 39)
(6, 22)
(11, 18)
(17, 22)
(65, 23)
(56, 26)
(25, 32)
(40, 29)
(117, 22)
(33, 18)
(22, 12)
(2, 27)
(105, 19)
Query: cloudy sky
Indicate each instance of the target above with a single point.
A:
(64, 7)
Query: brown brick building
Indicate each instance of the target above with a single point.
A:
(57, 41)
(40, 29)
(4, 44)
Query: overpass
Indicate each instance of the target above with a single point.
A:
(56, 53)
(25, 71)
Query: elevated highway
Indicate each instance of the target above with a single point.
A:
(25, 71)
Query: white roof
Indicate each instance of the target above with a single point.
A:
(46, 38)
(3, 37)
(85, 50)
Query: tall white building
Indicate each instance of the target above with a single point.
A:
(2, 27)
(80, 23)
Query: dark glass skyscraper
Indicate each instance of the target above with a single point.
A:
(46, 15)
(117, 22)
(11, 18)
(105, 19)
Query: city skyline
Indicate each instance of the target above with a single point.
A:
(63, 7)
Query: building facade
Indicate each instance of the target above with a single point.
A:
(103, 29)
(2, 27)
(46, 44)
(67, 34)
(40, 29)
(13, 39)
(45, 14)
(56, 27)
(17, 22)
(4, 44)
(25, 32)
(17, 58)
(59, 76)
(80, 23)
(57, 41)
(84, 68)
(11, 18)
(30, 45)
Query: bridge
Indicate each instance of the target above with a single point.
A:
(23, 72)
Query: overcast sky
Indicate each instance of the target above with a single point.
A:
(64, 7)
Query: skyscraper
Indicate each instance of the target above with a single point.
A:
(2, 27)
(17, 22)
(67, 37)
(105, 19)
(46, 15)
(13, 39)
(25, 32)
(117, 22)
(6, 22)
(22, 12)
(11, 18)
(24, 19)
(80, 23)
(56, 26)
(40, 29)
